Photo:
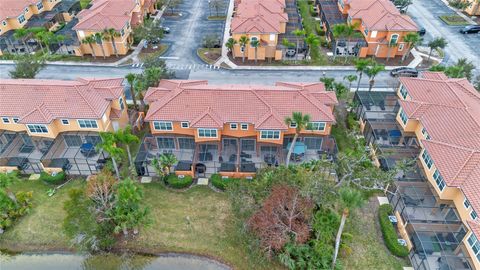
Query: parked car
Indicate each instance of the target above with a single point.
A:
(422, 31)
(166, 30)
(470, 29)
(404, 72)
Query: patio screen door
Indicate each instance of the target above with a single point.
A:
(248, 145)
(313, 143)
(186, 143)
(72, 140)
(165, 143)
(93, 139)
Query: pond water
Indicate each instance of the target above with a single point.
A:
(54, 261)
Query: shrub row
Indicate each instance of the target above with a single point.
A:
(389, 234)
(175, 182)
(10, 210)
(53, 179)
(221, 183)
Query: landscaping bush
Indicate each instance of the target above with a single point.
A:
(389, 234)
(11, 210)
(53, 179)
(221, 183)
(175, 182)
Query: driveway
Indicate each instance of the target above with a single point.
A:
(188, 31)
(425, 14)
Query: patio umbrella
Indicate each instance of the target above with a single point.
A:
(298, 149)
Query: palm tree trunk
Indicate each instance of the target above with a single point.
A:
(429, 54)
(346, 55)
(134, 98)
(114, 47)
(406, 54)
(243, 56)
(290, 150)
(296, 50)
(26, 47)
(359, 79)
(103, 50)
(371, 83)
(129, 155)
(93, 51)
(115, 166)
(339, 237)
(255, 55)
(142, 102)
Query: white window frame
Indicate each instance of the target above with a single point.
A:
(473, 215)
(65, 122)
(207, 130)
(401, 46)
(21, 20)
(466, 203)
(439, 180)
(403, 116)
(403, 91)
(270, 135)
(397, 36)
(425, 134)
(4, 23)
(40, 5)
(427, 159)
(122, 104)
(184, 124)
(87, 123)
(5, 120)
(15, 120)
(473, 241)
(317, 126)
(293, 125)
(37, 129)
(233, 126)
(242, 126)
(163, 125)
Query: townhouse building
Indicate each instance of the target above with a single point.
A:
(260, 20)
(121, 15)
(234, 130)
(380, 25)
(473, 7)
(53, 125)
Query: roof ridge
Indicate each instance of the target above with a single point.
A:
(176, 91)
(84, 98)
(310, 99)
(463, 165)
(453, 145)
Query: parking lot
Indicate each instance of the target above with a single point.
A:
(187, 31)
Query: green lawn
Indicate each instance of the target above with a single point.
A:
(453, 20)
(84, 3)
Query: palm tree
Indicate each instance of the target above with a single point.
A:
(338, 31)
(302, 122)
(131, 79)
(109, 35)
(285, 44)
(243, 42)
(140, 86)
(350, 78)
(40, 37)
(411, 39)
(20, 34)
(59, 39)
(108, 145)
(372, 71)
(90, 40)
(350, 199)
(312, 41)
(126, 137)
(436, 44)
(230, 44)
(255, 43)
(361, 65)
(167, 161)
(299, 34)
(99, 37)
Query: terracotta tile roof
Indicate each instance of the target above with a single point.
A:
(211, 106)
(41, 101)
(475, 227)
(115, 113)
(104, 14)
(380, 15)
(259, 16)
(449, 109)
(13, 8)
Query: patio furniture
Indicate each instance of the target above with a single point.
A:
(87, 149)
(184, 165)
(269, 159)
(248, 167)
(245, 155)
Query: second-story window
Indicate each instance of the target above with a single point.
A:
(270, 135)
(21, 18)
(293, 125)
(403, 116)
(65, 122)
(425, 134)
(244, 126)
(439, 180)
(317, 126)
(207, 133)
(475, 245)
(466, 203)
(427, 159)
(37, 129)
(233, 126)
(342, 4)
(393, 39)
(403, 91)
(87, 123)
(6, 120)
(473, 215)
(122, 104)
(40, 5)
(15, 120)
(185, 124)
(159, 125)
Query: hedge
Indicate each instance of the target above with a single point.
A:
(175, 182)
(221, 183)
(53, 179)
(389, 234)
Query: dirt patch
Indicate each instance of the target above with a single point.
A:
(209, 55)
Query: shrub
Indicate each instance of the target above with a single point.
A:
(221, 183)
(175, 182)
(389, 234)
(53, 179)
(10, 210)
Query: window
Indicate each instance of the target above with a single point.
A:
(4, 23)
(342, 4)
(26, 10)
(293, 125)
(242, 49)
(165, 143)
(186, 143)
(247, 145)
(425, 134)
(87, 123)
(37, 128)
(244, 126)
(400, 47)
(473, 215)
(317, 126)
(253, 39)
(427, 159)
(475, 245)
(162, 125)
(185, 125)
(122, 32)
(6, 120)
(65, 122)
(393, 39)
(403, 91)
(15, 119)
(21, 18)
(207, 133)
(374, 34)
(466, 203)
(122, 104)
(272, 37)
(40, 5)
(270, 134)
(233, 126)
(439, 180)
(403, 116)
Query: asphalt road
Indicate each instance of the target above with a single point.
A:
(426, 14)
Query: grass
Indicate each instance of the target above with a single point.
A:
(84, 3)
(368, 250)
(216, 18)
(209, 55)
(453, 20)
(310, 28)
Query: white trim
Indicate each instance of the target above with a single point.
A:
(274, 132)
(165, 122)
(241, 126)
(181, 124)
(234, 128)
(209, 129)
(6, 120)
(89, 120)
(67, 124)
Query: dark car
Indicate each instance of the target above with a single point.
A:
(404, 72)
(422, 31)
(470, 29)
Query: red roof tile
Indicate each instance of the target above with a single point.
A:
(105, 14)
(259, 16)
(41, 101)
(206, 105)
(13, 8)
